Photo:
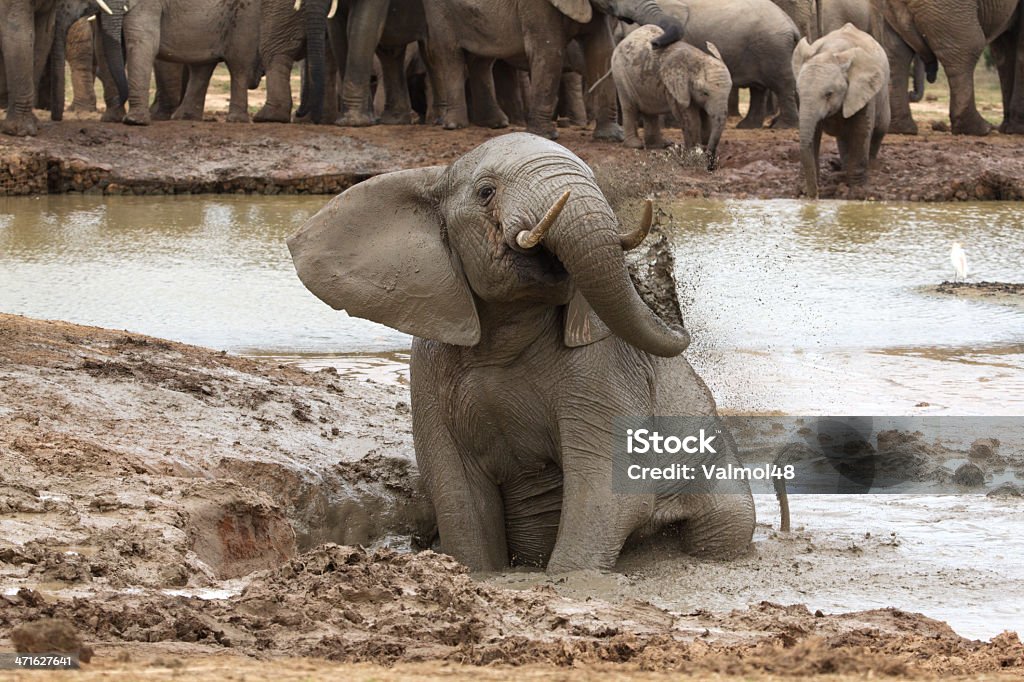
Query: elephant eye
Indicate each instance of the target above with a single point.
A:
(485, 193)
(828, 94)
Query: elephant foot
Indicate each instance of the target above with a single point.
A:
(238, 117)
(269, 114)
(137, 119)
(20, 126)
(494, 122)
(609, 131)
(452, 123)
(748, 123)
(393, 118)
(633, 143)
(113, 114)
(352, 119)
(1014, 127)
(187, 115)
(549, 131)
(902, 126)
(784, 123)
(83, 107)
(161, 115)
(657, 143)
(971, 124)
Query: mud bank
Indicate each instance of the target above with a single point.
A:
(1003, 293)
(191, 157)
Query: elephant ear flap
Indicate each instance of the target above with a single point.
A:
(577, 10)
(582, 325)
(866, 76)
(377, 252)
(675, 75)
(801, 54)
(713, 51)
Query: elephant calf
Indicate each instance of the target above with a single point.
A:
(843, 86)
(508, 266)
(679, 79)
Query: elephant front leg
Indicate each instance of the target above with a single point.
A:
(653, 138)
(597, 51)
(630, 123)
(278, 107)
(1008, 51)
(17, 36)
(397, 107)
(238, 107)
(963, 112)
(900, 55)
(545, 74)
(143, 47)
(485, 110)
(596, 520)
(757, 109)
(364, 29)
(193, 102)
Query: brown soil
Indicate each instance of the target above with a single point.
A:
(215, 156)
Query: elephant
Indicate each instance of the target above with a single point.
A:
(538, 30)
(508, 267)
(109, 16)
(834, 15)
(179, 31)
(843, 84)
(26, 34)
(954, 33)
(680, 79)
(756, 41)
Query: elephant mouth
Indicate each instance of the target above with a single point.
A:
(538, 266)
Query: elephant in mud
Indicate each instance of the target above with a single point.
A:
(680, 79)
(756, 41)
(508, 266)
(179, 31)
(954, 33)
(540, 31)
(26, 33)
(843, 83)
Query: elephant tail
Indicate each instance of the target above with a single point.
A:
(780, 492)
(599, 81)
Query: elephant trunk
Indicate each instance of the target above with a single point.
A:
(917, 94)
(586, 240)
(111, 26)
(316, 55)
(810, 132)
(57, 56)
(650, 12)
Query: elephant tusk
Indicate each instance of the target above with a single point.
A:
(528, 239)
(105, 7)
(298, 5)
(634, 239)
(92, 18)
(333, 10)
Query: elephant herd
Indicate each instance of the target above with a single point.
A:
(487, 62)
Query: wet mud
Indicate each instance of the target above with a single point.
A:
(176, 157)
(1003, 293)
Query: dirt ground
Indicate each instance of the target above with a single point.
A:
(215, 156)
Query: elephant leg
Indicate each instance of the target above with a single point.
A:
(508, 92)
(653, 137)
(170, 89)
(81, 59)
(278, 107)
(1008, 51)
(595, 520)
(689, 121)
(450, 81)
(397, 106)
(630, 123)
(756, 112)
(598, 46)
(855, 145)
(193, 101)
(783, 91)
(364, 28)
(720, 525)
(533, 508)
(485, 110)
(545, 72)
(900, 56)
(114, 107)
(143, 47)
(238, 106)
(963, 111)
(17, 36)
(570, 97)
(734, 102)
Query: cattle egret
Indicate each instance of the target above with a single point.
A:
(959, 260)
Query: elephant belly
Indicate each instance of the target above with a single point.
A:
(653, 103)
(486, 28)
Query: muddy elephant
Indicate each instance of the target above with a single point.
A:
(508, 267)
(679, 79)
(538, 30)
(843, 84)
(26, 33)
(756, 41)
(954, 33)
(179, 31)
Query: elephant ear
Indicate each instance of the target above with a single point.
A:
(801, 53)
(582, 325)
(866, 76)
(577, 10)
(377, 251)
(713, 51)
(675, 72)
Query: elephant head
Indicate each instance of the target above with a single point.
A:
(518, 221)
(829, 82)
(110, 14)
(640, 12)
(704, 81)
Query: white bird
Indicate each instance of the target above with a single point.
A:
(959, 260)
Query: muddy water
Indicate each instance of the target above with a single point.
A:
(793, 307)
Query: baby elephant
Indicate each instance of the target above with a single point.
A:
(679, 79)
(842, 81)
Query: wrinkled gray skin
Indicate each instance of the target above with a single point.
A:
(515, 378)
(181, 31)
(26, 33)
(679, 79)
(843, 82)
(406, 23)
(954, 33)
(540, 30)
(756, 40)
(835, 15)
